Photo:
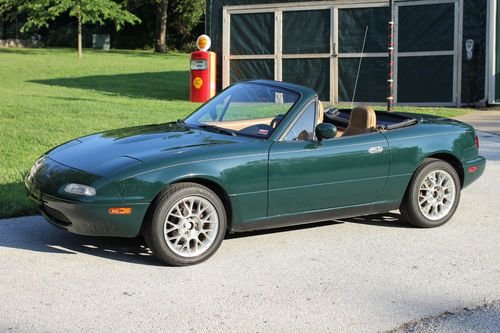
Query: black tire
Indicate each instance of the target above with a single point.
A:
(410, 207)
(154, 229)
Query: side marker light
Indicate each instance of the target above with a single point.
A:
(120, 211)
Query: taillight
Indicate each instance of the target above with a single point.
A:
(477, 142)
(472, 169)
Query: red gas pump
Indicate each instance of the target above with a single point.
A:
(202, 76)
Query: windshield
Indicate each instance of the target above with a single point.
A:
(245, 109)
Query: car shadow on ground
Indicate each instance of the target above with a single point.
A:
(167, 86)
(392, 220)
(34, 234)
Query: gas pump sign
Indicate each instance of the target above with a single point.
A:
(199, 64)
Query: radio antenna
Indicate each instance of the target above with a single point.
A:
(359, 67)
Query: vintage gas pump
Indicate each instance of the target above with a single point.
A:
(203, 66)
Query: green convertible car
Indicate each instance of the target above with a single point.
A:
(261, 154)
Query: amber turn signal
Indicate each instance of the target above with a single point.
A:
(120, 211)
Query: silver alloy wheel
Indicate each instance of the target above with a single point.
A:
(191, 226)
(436, 195)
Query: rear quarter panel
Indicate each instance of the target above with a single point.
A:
(411, 145)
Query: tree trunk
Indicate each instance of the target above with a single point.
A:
(161, 26)
(79, 19)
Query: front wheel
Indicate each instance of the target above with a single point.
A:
(187, 225)
(433, 194)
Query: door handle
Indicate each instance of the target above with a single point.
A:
(375, 150)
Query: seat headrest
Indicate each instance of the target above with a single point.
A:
(321, 112)
(363, 117)
(363, 120)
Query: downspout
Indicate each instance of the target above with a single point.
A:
(489, 90)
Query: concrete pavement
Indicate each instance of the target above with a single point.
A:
(364, 274)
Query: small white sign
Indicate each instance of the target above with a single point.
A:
(199, 64)
(469, 47)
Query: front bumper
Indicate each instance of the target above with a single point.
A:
(88, 218)
(91, 219)
(80, 216)
(479, 163)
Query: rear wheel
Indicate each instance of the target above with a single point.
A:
(187, 225)
(433, 194)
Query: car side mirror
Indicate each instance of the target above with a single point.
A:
(325, 131)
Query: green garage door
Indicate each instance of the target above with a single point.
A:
(306, 49)
(427, 53)
(302, 54)
(352, 26)
(252, 47)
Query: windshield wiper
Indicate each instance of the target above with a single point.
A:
(181, 122)
(217, 129)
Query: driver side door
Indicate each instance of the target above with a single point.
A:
(310, 176)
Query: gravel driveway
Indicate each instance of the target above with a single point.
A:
(355, 275)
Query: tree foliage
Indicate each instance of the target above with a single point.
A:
(39, 13)
(185, 15)
(54, 21)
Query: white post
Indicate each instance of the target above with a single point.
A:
(491, 51)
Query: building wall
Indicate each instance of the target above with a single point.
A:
(472, 73)
(494, 52)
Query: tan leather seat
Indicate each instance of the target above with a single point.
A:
(321, 112)
(363, 120)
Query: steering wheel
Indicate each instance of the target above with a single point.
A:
(277, 120)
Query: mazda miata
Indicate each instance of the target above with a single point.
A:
(261, 154)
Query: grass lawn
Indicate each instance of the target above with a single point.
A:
(48, 96)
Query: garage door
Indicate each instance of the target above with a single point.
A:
(293, 45)
(352, 25)
(427, 52)
(252, 47)
(321, 46)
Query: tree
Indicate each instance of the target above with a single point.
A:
(185, 15)
(161, 26)
(40, 12)
(182, 17)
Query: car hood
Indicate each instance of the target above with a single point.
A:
(115, 150)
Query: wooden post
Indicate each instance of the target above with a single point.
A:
(390, 62)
